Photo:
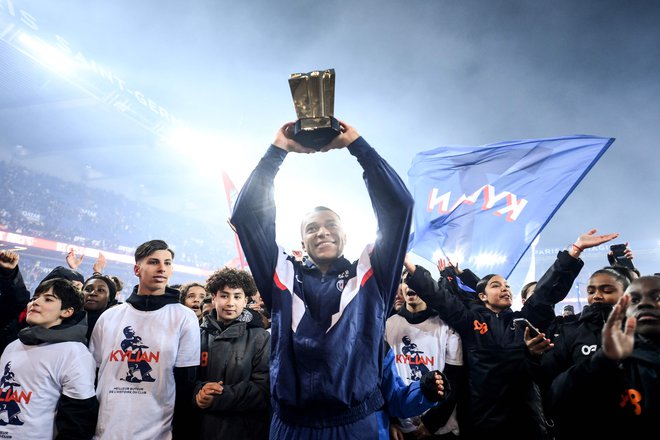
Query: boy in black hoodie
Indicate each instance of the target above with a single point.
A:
(47, 388)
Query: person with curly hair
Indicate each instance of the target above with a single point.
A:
(232, 391)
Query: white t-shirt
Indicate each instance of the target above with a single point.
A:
(136, 353)
(419, 348)
(33, 379)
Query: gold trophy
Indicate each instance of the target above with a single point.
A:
(314, 99)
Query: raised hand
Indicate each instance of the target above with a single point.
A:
(9, 260)
(284, 140)
(99, 264)
(618, 342)
(346, 137)
(409, 265)
(72, 261)
(590, 239)
(627, 253)
(442, 265)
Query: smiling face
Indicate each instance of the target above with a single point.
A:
(229, 303)
(323, 237)
(154, 271)
(497, 294)
(45, 310)
(645, 305)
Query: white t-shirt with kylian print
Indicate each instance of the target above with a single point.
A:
(33, 379)
(136, 352)
(419, 348)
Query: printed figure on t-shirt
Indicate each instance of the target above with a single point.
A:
(132, 347)
(417, 368)
(7, 402)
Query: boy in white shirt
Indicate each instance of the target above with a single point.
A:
(47, 386)
(147, 350)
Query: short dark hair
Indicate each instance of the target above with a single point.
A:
(316, 209)
(230, 277)
(64, 290)
(151, 246)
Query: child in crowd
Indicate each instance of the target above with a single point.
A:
(47, 385)
(192, 296)
(233, 388)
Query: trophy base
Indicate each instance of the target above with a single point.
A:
(316, 132)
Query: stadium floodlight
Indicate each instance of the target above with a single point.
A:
(46, 54)
(485, 260)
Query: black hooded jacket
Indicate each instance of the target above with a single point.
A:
(14, 296)
(504, 400)
(577, 342)
(602, 398)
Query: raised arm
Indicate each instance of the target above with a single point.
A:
(14, 295)
(72, 260)
(254, 212)
(450, 307)
(392, 205)
(558, 280)
(254, 220)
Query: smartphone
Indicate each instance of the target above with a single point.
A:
(522, 323)
(618, 251)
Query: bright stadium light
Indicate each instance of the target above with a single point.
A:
(455, 257)
(46, 54)
(188, 140)
(487, 259)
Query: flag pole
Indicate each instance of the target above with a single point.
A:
(232, 194)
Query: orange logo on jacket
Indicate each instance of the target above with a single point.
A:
(632, 397)
(481, 327)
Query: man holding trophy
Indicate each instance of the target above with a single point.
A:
(328, 314)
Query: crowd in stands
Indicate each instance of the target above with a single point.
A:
(39, 205)
(309, 345)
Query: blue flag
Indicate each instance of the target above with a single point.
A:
(483, 206)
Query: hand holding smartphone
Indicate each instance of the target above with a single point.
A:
(619, 253)
(523, 322)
